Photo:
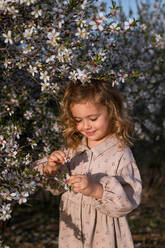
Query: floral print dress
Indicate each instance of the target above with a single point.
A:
(86, 222)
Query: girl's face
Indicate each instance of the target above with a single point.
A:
(92, 120)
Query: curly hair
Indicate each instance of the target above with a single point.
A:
(95, 90)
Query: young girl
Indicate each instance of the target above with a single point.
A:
(105, 180)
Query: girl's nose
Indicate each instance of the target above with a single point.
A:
(86, 124)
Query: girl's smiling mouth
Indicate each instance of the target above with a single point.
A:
(90, 133)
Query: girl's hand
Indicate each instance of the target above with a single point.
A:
(54, 162)
(83, 185)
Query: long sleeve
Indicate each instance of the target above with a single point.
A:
(122, 192)
(39, 165)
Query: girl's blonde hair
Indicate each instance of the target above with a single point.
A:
(96, 91)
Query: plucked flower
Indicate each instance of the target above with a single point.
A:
(63, 181)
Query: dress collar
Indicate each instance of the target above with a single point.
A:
(99, 148)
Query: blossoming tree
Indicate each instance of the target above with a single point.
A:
(146, 93)
(44, 44)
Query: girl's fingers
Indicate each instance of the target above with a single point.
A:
(49, 169)
(76, 190)
(51, 163)
(78, 187)
(46, 170)
(76, 179)
(57, 156)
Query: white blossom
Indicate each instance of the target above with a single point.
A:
(64, 69)
(60, 21)
(114, 27)
(13, 153)
(32, 70)
(151, 107)
(5, 212)
(84, 4)
(7, 37)
(128, 24)
(30, 186)
(37, 13)
(13, 11)
(44, 76)
(122, 76)
(28, 33)
(98, 22)
(28, 114)
(7, 62)
(45, 86)
(22, 197)
(53, 37)
(6, 195)
(28, 2)
(28, 49)
(83, 75)
(20, 64)
(64, 54)
(63, 181)
(3, 5)
(55, 88)
(82, 33)
(10, 111)
(73, 75)
(32, 143)
(50, 59)
(2, 142)
(81, 22)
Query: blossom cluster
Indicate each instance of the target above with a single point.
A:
(59, 39)
(146, 93)
(22, 129)
(17, 181)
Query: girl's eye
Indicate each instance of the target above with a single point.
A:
(77, 121)
(93, 119)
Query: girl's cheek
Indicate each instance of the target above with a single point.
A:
(78, 126)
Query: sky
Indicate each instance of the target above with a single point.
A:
(127, 4)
